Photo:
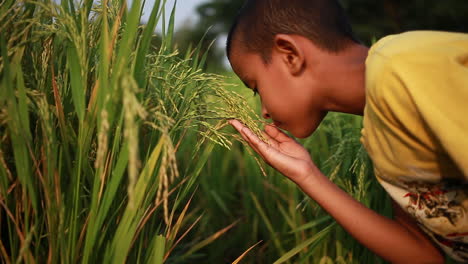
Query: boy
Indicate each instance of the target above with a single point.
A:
(301, 57)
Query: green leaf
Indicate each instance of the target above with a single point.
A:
(309, 243)
(132, 216)
(169, 35)
(77, 86)
(268, 224)
(312, 224)
(157, 255)
(140, 61)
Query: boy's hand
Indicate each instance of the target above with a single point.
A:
(284, 153)
(402, 243)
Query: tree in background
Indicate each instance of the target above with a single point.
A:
(371, 20)
(214, 20)
(374, 19)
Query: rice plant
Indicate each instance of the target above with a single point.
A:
(93, 121)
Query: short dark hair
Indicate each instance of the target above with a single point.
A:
(324, 22)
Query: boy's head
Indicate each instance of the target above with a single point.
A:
(259, 21)
(281, 49)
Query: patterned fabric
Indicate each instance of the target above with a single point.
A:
(416, 130)
(439, 209)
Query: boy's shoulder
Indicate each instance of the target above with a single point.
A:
(419, 42)
(408, 58)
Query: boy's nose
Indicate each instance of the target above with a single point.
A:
(265, 113)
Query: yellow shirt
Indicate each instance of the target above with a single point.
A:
(416, 130)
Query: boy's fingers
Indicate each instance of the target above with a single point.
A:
(271, 140)
(254, 142)
(276, 134)
(261, 147)
(239, 126)
(244, 137)
(236, 124)
(249, 137)
(242, 129)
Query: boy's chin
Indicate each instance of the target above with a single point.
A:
(298, 131)
(301, 133)
(304, 131)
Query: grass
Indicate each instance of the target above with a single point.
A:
(92, 119)
(114, 150)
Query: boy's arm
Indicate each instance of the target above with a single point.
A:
(394, 240)
(397, 241)
(410, 224)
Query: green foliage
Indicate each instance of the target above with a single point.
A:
(92, 119)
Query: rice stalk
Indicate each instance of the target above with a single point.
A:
(92, 118)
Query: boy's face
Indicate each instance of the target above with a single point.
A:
(292, 101)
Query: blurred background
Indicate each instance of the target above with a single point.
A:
(371, 20)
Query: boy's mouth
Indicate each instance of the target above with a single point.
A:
(276, 123)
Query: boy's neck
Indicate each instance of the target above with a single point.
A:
(346, 79)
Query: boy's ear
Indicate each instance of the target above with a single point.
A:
(290, 52)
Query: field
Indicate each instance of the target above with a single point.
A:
(114, 149)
